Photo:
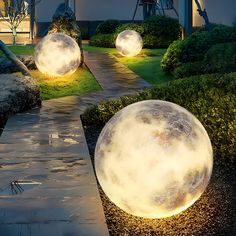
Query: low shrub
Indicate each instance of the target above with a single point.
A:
(84, 32)
(211, 98)
(219, 58)
(108, 27)
(189, 69)
(150, 41)
(195, 46)
(131, 26)
(103, 40)
(162, 26)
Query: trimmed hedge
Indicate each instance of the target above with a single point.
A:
(130, 26)
(108, 27)
(195, 46)
(189, 69)
(162, 25)
(156, 31)
(103, 40)
(219, 58)
(211, 98)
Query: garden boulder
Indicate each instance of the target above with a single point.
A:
(18, 93)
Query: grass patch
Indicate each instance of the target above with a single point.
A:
(147, 65)
(20, 50)
(81, 82)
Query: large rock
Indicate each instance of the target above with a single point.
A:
(18, 93)
(64, 21)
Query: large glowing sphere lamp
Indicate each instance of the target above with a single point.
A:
(129, 43)
(153, 159)
(57, 54)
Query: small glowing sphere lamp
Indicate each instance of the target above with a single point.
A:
(57, 54)
(153, 159)
(129, 43)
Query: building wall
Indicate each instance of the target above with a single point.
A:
(96, 10)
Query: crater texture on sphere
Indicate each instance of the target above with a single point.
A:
(57, 55)
(129, 43)
(153, 159)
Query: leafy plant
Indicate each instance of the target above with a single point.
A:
(195, 46)
(162, 26)
(108, 27)
(130, 26)
(219, 58)
(103, 40)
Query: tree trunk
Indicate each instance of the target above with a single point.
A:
(11, 56)
(203, 14)
(14, 35)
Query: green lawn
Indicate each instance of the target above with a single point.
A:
(21, 49)
(147, 65)
(81, 82)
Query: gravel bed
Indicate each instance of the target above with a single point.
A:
(212, 214)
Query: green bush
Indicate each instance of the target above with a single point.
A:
(130, 26)
(195, 46)
(84, 32)
(219, 58)
(150, 41)
(160, 31)
(162, 26)
(108, 27)
(103, 40)
(189, 69)
(211, 98)
(171, 58)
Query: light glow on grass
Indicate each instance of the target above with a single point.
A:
(81, 82)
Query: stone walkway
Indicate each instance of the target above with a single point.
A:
(47, 148)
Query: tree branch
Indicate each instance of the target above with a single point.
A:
(203, 14)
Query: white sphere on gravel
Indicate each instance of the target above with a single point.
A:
(153, 159)
(129, 43)
(57, 54)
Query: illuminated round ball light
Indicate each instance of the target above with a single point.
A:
(129, 43)
(153, 159)
(57, 54)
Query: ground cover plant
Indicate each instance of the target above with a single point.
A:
(81, 82)
(156, 31)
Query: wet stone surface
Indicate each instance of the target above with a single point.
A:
(47, 146)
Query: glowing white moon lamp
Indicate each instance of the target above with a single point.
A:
(153, 159)
(57, 54)
(129, 43)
